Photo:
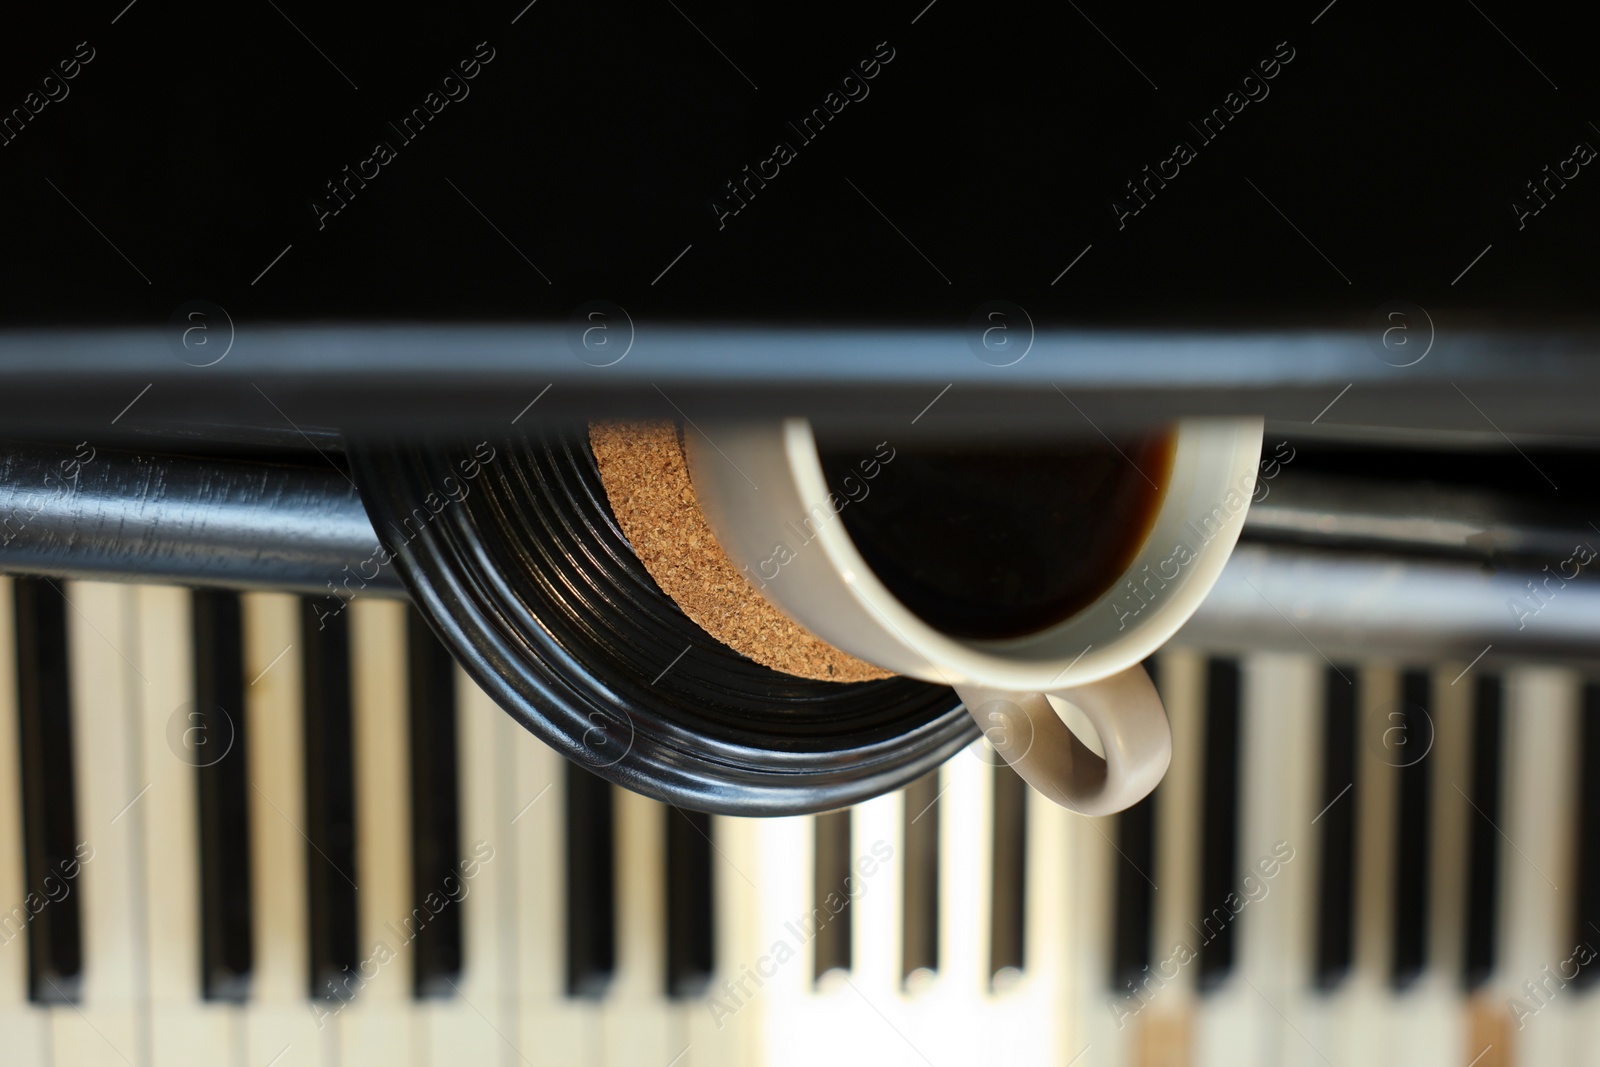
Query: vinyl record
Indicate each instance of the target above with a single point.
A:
(510, 549)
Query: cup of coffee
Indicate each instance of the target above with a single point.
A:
(1016, 575)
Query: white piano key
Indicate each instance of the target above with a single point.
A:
(25, 1027)
(281, 1022)
(783, 1011)
(479, 1024)
(553, 1029)
(1164, 1029)
(185, 1030)
(375, 1027)
(966, 852)
(1280, 734)
(876, 829)
(1452, 713)
(1023, 1022)
(1106, 1025)
(639, 1025)
(1435, 1034)
(110, 1026)
(876, 1008)
(1365, 1024)
(1536, 864)
(722, 1033)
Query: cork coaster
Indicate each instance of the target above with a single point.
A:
(646, 477)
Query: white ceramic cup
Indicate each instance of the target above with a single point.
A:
(761, 486)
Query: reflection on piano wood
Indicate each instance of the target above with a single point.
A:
(1347, 864)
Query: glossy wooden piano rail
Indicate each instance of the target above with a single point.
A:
(413, 378)
(1341, 558)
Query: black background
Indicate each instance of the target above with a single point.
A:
(995, 140)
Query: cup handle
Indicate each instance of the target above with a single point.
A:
(1124, 709)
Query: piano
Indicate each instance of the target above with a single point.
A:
(266, 266)
(233, 834)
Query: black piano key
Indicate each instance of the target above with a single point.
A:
(49, 808)
(691, 904)
(1134, 902)
(1219, 832)
(919, 944)
(1483, 837)
(1337, 823)
(591, 893)
(331, 876)
(1412, 837)
(435, 812)
(1587, 917)
(222, 798)
(830, 912)
(1008, 894)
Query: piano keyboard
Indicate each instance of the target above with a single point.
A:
(233, 832)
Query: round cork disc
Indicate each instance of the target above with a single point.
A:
(646, 477)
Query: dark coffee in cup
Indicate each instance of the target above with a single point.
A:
(1000, 540)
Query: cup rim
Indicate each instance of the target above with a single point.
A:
(1214, 461)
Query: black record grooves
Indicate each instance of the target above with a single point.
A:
(526, 577)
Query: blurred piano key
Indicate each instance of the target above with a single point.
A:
(1536, 866)
(1008, 898)
(1336, 812)
(1164, 1024)
(1587, 841)
(222, 794)
(552, 1026)
(435, 812)
(1367, 1023)
(1485, 802)
(919, 880)
(25, 1025)
(874, 1009)
(1133, 897)
(481, 1022)
(48, 757)
(691, 903)
(332, 875)
(107, 1026)
(831, 852)
(1440, 1014)
(280, 1020)
(639, 1021)
(1219, 857)
(1411, 727)
(775, 872)
(178, 739)
(1275, 884)
(376, 1026)
(590, 849)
